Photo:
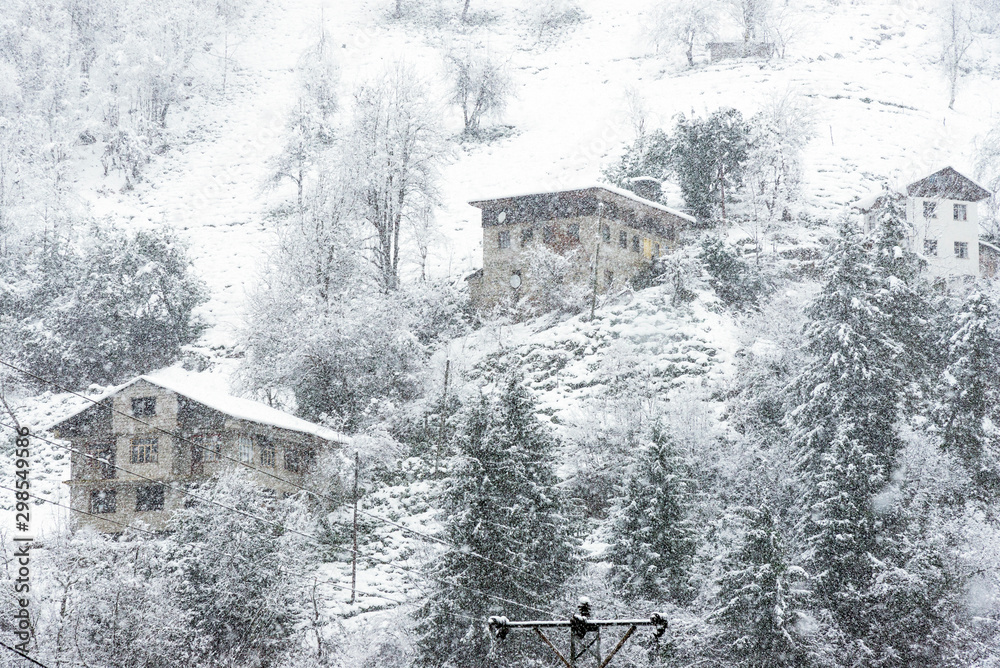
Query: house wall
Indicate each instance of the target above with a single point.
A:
(499, 264)
(946, 231)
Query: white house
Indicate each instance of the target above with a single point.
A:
(942, 210)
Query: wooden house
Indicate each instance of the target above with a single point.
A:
(141, 443)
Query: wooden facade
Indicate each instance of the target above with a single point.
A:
(138, 447)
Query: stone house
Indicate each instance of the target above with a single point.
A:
(610, 234)
(942, 210)
(174, 432)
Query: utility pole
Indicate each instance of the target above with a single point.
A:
(444, 407)
(584, 634)
(597, 257)
(354, 561)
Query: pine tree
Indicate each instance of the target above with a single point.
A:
(653, 539)
(856, 375)
(502, 505)
(968, 411)
(846, 534)
(759, 602)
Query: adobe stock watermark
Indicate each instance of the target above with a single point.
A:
(22, 540)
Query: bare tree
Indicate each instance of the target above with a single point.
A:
(686, 23)
(480, 85)
(309, 129)
(750, 15)
(395, 150)
(958, 25)
(988, 173)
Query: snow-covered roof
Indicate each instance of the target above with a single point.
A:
(948, 183)
(243, 409)
(620, 192)
(871, 200)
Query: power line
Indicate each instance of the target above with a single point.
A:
(23, 655)
(313, 493)
(212, 550)
(315, 539)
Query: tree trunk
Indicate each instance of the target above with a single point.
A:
(465, 10)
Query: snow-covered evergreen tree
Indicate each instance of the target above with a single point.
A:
(653, 539)
(846, 534)
(502, 507)
(857, 374)
(967, 414)
(760, 604)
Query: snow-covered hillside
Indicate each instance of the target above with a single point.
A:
(869, 71)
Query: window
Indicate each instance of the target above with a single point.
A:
(144, 450)
(574, 231)
(609, 278)
(656, 250)
(503, 238)
(149, 497)
(636, 244)
(548, 234)
(961, 212)
(267, 454)
(623, 239)
(930, 247)
(527, 234)
(961, 249)
(606, 233)
(206, 447)
(144, 406)
(103, 501)
(244, 448)
(299, 460)
(930, 209)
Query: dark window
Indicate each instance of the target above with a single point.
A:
(144, 450)
(144, 406)
(930, 209)
(656, 250)
(103, 501)
(548, 234)
(527, 234)
(267, 455)
(636, 244)
(149, 497)
(574, 231)
(930, 247)
(623, 239)
(606, 233)
(961, 212)
(961, 249)
(503, 238)
(609, 277)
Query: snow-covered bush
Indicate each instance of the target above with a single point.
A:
(243, 582)
(122, 304)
